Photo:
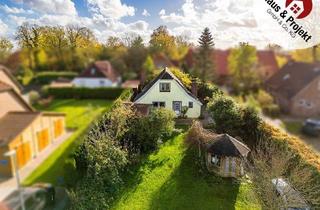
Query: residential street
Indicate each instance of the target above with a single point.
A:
(9, 185)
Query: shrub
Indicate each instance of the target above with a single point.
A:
(226, 114)
(86, 93)
(206, 91)
(34, 97)
(49, 76)
(272, 110)
(148, 131)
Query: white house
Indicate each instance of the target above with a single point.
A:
(98, 74)
(166, 90)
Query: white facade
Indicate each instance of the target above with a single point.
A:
(177, 96)
(95, 82)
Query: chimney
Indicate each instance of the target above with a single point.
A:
(194, 87)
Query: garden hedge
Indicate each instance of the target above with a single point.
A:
(86, 93)
(49, 76)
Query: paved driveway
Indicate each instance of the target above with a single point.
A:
(9, 185)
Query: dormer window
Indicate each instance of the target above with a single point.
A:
(93, 71)
(165, 87)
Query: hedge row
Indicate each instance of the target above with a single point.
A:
(49, 76)
(86, 93)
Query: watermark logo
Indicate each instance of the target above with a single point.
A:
(300, 8)
(292, 24)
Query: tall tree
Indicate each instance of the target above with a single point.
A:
(242, 62)
(5, 49)
(162, 42)
(78, 37)
(204, 64)
(29, 37)
(55, 44)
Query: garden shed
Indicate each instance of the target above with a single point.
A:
(226, 155)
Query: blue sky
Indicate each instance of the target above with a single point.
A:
(231, 21)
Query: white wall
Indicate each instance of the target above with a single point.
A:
(94, 82)
(177, 93)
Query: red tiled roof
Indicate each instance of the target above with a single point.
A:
(162, 61)
(104, 69)
(220, 59)
(131, 84)
(266, 59)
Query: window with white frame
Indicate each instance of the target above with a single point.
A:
(165, 87)
(190, 105)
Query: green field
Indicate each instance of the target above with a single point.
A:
(59, 167)
(171, 179)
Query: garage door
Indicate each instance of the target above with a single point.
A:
(23, 154)
(58, 128)
(43, 139)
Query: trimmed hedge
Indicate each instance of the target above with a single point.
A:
(49, 76)
(86, 93)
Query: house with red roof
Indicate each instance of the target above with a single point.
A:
(267, 64)
(98, 74)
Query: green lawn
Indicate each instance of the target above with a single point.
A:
(59, 167)
(293, 127)
(170, 179)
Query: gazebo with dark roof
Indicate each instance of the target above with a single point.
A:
(226, 155)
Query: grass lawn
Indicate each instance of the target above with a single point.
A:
(293, 127)
(170, 179)
(59, 167)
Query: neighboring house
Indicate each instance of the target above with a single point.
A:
(23, 129)
(266, 65)
(7, 77)
(167, 91)
(226, 156)
(296, 88)
(161, 61)
(98, 74)
(131, 84)
(11, 100)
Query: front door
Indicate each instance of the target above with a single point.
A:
(177, 106)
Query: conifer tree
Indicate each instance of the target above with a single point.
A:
(204, 63)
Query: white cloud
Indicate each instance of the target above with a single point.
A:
(231, 21)
(162, 12)
(58, 7)
(3, 28)
(146, 13)
(14, 10)
(113, 9)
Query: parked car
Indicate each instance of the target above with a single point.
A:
(38, 197)
(311, 127)
(292, 198)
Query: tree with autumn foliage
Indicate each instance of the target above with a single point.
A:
(242, 62)
(5, 49)
(204, 68)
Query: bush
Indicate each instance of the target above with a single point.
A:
(206, 91)
(47, 77)
(226, 114)
(86, 93)
(148, 131)
(34, 97)
(272, 110)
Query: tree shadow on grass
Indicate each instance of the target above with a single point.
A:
(191, 188)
